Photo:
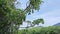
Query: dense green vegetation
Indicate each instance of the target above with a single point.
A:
(11, 17)
(41, 30)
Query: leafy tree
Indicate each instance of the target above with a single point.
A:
(11, 17)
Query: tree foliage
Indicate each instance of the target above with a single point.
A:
(11, 17)
(41, 30)
(35, 22)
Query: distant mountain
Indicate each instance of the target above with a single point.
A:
(58, 24)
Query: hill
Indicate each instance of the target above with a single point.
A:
(58, 24)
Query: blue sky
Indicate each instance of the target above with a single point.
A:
(49, 11)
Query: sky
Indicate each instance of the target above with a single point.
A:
(49, 11)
